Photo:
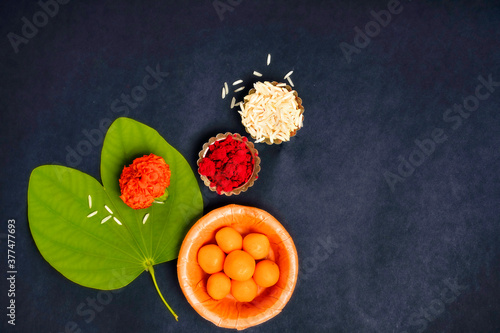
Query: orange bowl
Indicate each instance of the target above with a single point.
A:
(228, 312)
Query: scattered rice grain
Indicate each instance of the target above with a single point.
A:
(105, 219)
(232, 102)
(257, 73)
(92, 214)
(90, 201)
(145, 218)
(290, 81)
(237, 82)
(268, 59)
(108, 209)
(223, 92)
(288, 75)
(116, 220)
(239, 89)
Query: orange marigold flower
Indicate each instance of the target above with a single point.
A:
(144, 180)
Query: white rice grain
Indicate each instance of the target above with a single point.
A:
(223, 92)
(239, 89)
(290, 81)
(257, 73)
(145, 218)
(105, 219)
(268, 59)
(232, 102)
(225, 87)
(90, 201)
(117, 221)
(288, 75)
(108, 209)
(235, 83)
(260, 140)
(92, 214)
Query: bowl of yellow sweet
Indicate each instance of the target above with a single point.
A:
(237, 266)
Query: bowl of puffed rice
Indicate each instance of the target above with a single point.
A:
(272, 112)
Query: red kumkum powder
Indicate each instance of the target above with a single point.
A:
(228, 164)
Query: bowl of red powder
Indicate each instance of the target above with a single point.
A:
(228, 164)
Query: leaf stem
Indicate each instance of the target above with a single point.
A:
(152, 272)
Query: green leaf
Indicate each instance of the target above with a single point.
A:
(108, 250)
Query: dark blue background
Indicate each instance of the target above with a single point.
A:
(371, 259)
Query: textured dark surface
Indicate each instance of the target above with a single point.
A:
(372, 258)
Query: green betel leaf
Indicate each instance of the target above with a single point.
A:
(86, 232)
